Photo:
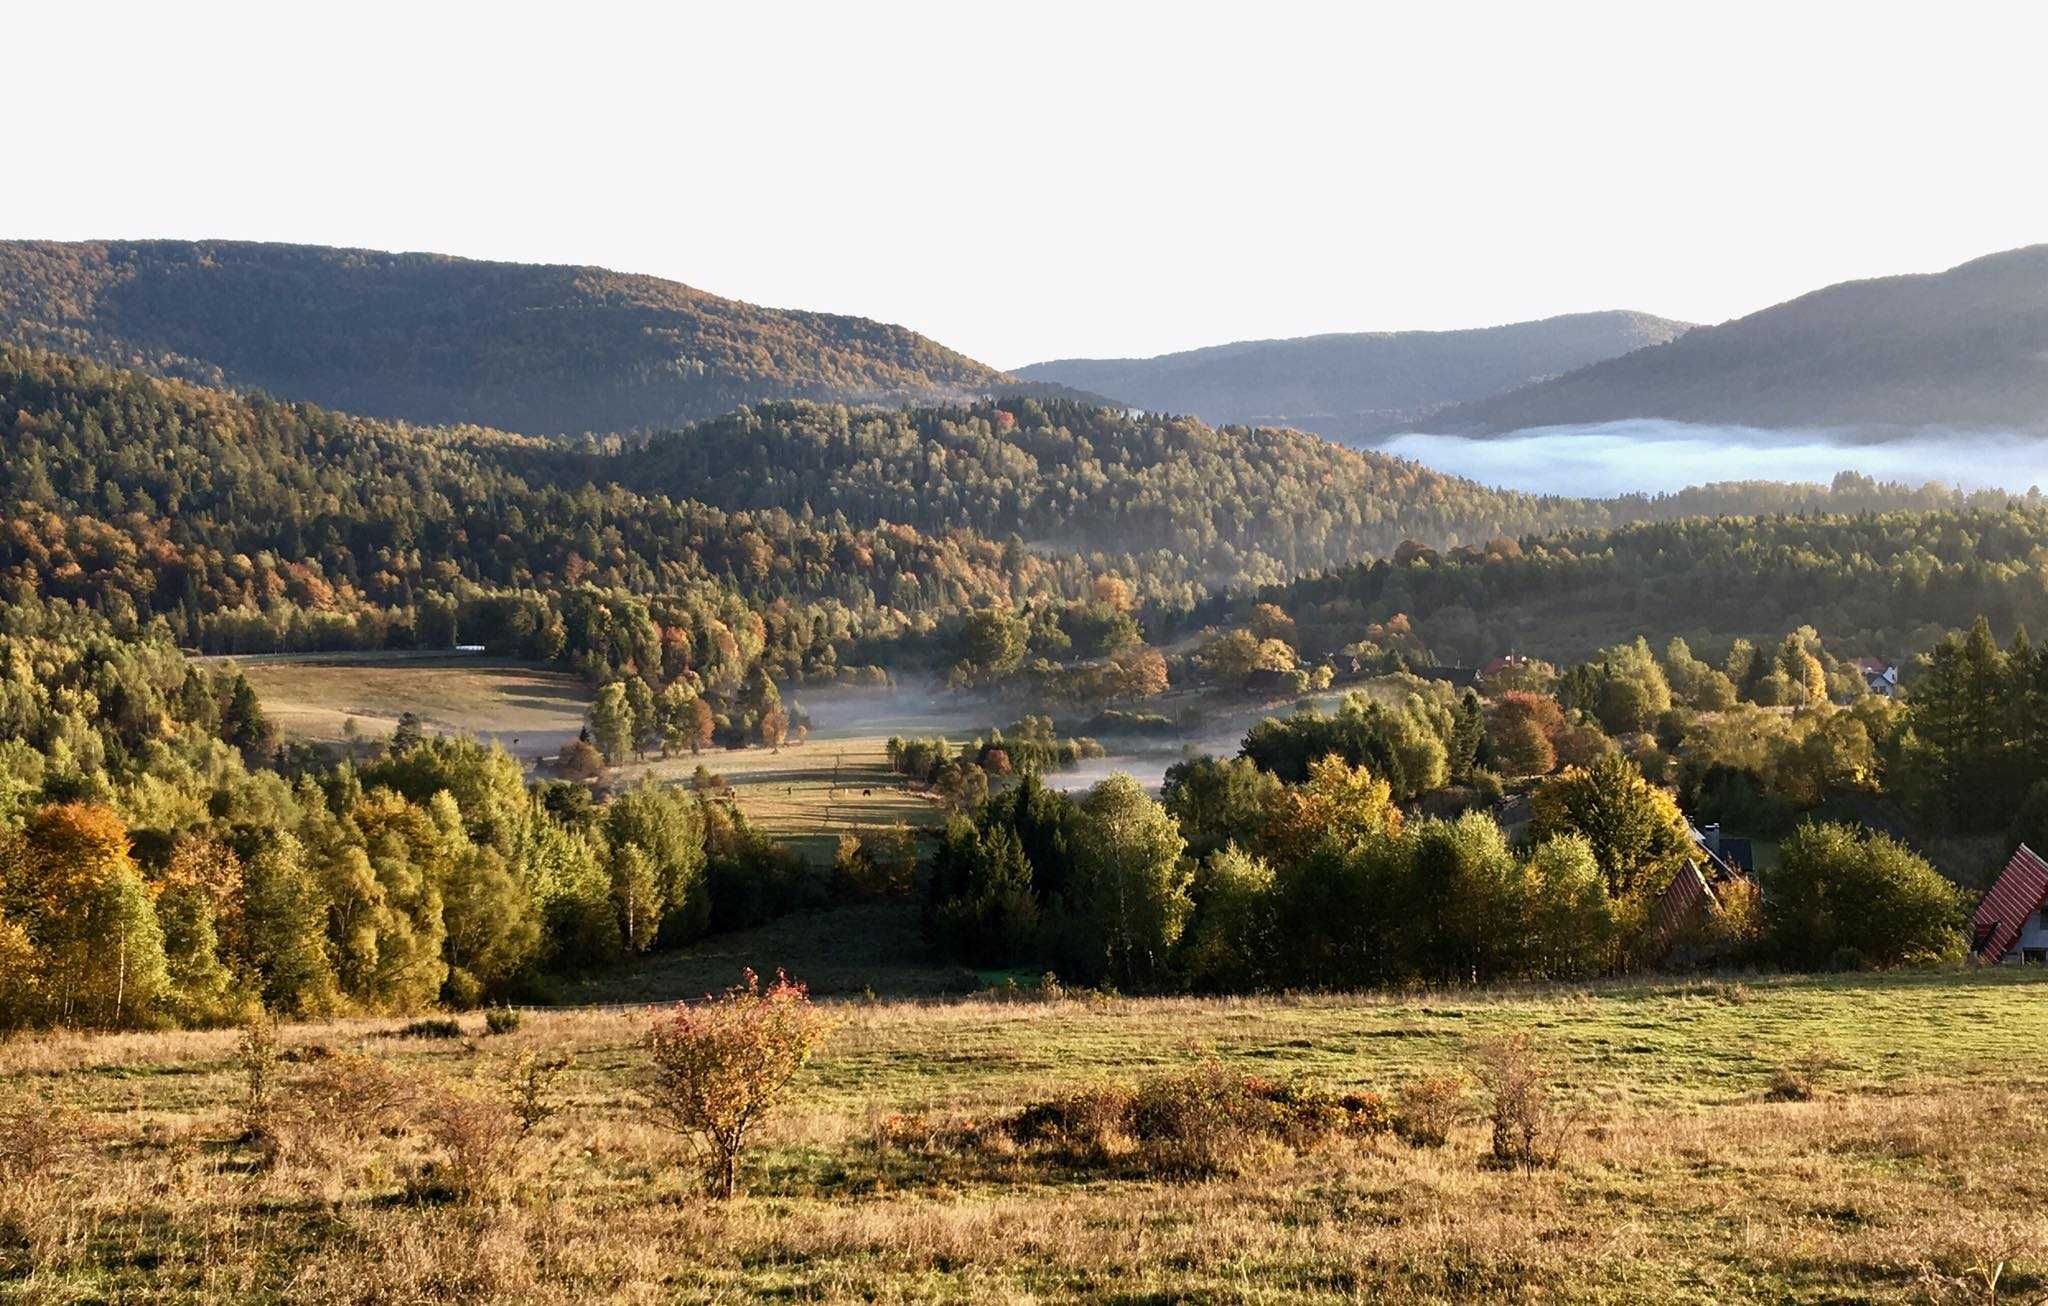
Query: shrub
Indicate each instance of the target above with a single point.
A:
(1428, 1108)
(34, 1137)
(258, 1059)
(1798, 1080)
(579, 760)
(1528, 1128)
(720, 1067)
(1848, 898)
(431, 1027)
(477, 1137)
(334, 1109)
(532, 1083)
(502, 1020)
(1205, 1121)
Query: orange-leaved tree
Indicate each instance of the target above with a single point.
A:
(720, 1066)
(78, 904)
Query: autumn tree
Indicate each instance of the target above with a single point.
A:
(1521, 729)
(1635, 830)
(1127, 903)
(68, 885)
(721, 1066)
(611, 722)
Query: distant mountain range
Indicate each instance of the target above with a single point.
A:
(546, 349)
(1352, 385)
(1966, 348)
(532, 348)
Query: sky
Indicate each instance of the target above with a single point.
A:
(1029, 181)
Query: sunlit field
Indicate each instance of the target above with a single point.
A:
(806, 795)
(531, 710)
(1907, 1173)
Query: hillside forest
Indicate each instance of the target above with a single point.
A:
(1649, 665)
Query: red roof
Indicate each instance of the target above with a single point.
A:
(1681, 902)
(2018, 894)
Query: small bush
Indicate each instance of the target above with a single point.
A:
(431, 1027)
(258, 1058)
(579, 760)
(532, 1084)
(720, 1067)
(1528, 1128)
(34, 1137)
(1427, 1109)
(1799, 1079)
(332, 1110)
(1205, 1121)
(477, 1139)
(502, 1020)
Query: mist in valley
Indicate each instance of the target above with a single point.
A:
(1653, 457)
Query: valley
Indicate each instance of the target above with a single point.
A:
(578, 724)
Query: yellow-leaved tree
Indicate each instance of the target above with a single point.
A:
(81, 941)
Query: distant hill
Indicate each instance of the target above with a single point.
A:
(1345, 386)
(428, 338)
(1964, 348)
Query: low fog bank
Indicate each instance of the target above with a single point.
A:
(1652, 457)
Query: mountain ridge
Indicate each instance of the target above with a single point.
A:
(1965, 348)
(1346, 385)
(440, 339)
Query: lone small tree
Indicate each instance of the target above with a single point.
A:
(720, 1066)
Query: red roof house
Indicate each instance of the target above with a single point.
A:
(2011, 923)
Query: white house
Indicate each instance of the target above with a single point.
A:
(1879, 676)
(2011, 924)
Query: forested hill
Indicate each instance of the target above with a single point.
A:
(1881, 582)
(1182, 502)
(1348, 385)
(1965, 348)
(255, 524)
(537, 349)
(1202, 504)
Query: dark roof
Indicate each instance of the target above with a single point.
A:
(1457, 677)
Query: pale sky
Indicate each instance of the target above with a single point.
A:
(1034, 180)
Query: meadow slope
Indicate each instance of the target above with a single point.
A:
(1910, 1174)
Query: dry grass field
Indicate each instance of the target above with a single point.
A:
(808, 794)
(310, 698)
(1910, 1174)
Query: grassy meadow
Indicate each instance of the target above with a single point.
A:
(807, 795)
(311, 698)
(1910, 1174)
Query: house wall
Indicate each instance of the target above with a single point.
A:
(2035, 935)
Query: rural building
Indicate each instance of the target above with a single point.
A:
(1686, 902)
(1879, 676)
(2011, 924)
(1730, 854)
(1455, 677)
(1693, 898)
(1507, 662)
